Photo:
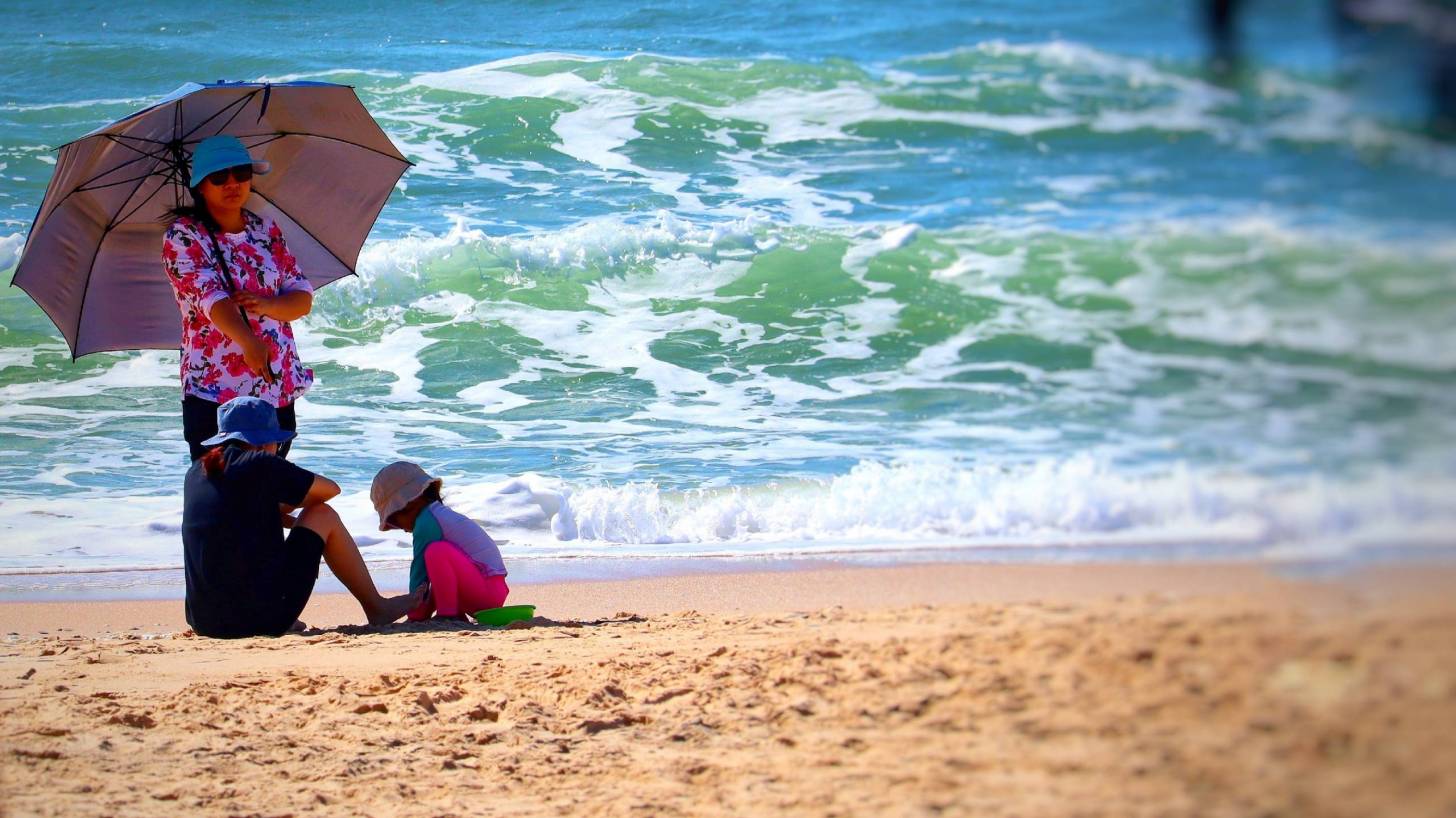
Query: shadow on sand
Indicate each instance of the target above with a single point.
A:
(440, 625)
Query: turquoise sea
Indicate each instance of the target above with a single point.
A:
(790, 280)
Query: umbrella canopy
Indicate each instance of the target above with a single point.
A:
(93, 259)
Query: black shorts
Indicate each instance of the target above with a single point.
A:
(278, 597)
(303, 549)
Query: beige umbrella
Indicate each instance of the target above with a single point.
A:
(92, 259)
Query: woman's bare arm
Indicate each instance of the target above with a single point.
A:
(224, 315)
(289, 306)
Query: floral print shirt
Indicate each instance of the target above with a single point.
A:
(212, 363)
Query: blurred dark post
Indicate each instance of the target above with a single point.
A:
(1443, 90)
(1220, 23)
(1425, 31)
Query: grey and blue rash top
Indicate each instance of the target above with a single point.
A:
(439, 522)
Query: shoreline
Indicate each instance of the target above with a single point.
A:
(805, 585)
(167, 583)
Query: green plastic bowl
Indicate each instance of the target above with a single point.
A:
(506, 615)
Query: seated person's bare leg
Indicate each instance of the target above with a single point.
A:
(343, 558)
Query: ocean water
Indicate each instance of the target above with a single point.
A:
(783, 280)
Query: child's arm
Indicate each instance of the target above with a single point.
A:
(427, 530)
(418, 575)
(422, 611)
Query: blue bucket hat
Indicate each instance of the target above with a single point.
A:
(218, 152)
(249, 419)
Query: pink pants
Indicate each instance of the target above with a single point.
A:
(457, 586)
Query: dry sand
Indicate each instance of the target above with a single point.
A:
(958, 689)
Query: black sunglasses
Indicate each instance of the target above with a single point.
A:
(242, 173)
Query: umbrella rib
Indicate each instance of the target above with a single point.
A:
(91, 268)
(83, 187)
(316, 239)
(240, 103)
(240, 108)
(177, 140)
(113, 220)
(151, 172)
(142, 203)
(115, 136)
(141, 156)
(272, 137)
(275, 136)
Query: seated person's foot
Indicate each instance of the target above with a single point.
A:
(297, 627)
(390, 609)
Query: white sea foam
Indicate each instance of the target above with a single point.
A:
(1075, 187)
(969, 263)
(678, 254)
(613, 239)
(332, 72)
(496, 79)
(84, 104)
(1078, 501)
(603, 115)
(139, 370)
(857, 258)
(76, 532)
(849, 335)
(397, 352)
(494, 397)
(390, 272)
(10, 247)
(599, 124)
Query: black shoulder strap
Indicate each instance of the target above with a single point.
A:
(227, 278)
(222, 265)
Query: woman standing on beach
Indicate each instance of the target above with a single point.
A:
(237, 287)
(243, 577)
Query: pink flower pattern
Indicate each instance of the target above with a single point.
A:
(212, 364)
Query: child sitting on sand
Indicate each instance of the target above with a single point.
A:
(454, 555)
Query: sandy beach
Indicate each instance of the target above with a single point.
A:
(925, 690)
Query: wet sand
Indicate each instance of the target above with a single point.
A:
(942, 689)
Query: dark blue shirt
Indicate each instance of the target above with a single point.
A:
(234, 552)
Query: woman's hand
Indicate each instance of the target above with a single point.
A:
(253, 303)
(287, 306)
(256, 356)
